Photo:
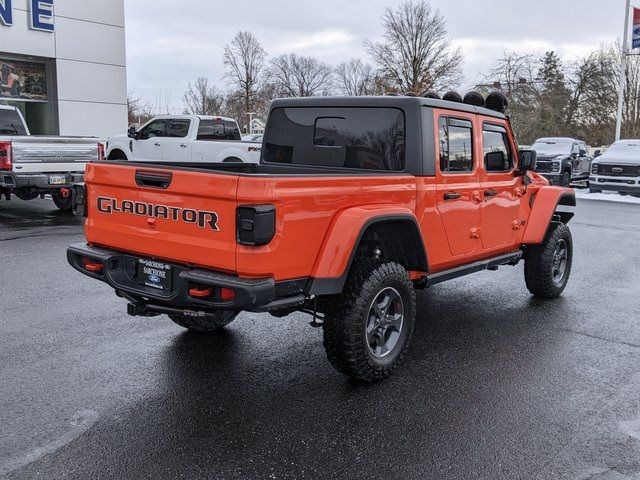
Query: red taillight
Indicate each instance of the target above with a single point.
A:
(6, 158)
(100, 151)
(227, 294)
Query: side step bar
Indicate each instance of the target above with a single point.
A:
(488, 264)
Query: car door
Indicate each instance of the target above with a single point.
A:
(458, 188)
(148, 146)
(175, 147)
(501, 188)
(584, 160)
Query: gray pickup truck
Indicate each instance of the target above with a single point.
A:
(34, 166)
(562, 160)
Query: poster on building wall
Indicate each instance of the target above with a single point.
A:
(22, 80)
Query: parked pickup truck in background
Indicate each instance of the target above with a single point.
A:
(184, 138)
(33, 166)
(618, 169)
(562, 160)
(356, 203)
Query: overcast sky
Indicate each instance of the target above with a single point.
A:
(172, 42)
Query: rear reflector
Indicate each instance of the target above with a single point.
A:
(91, 265)
(200, 292)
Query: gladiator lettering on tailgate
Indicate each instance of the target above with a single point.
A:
(201, 218)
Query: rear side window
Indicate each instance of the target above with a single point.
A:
(178, 128)
(456, 145)
(498, 156)
(11, 123)
(359, 138)
(218, 130)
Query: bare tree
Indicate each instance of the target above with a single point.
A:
(137, 108)
(202, 98)
(514, 74)
(245, 63)
(356, 78)
(415, 54)
(299, 76)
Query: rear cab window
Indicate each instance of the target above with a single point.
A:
(11, 123)
(218, 129)
(350, 138)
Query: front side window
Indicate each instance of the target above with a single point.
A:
(178, 128)
(456, 145)
(154, 129)
(349, 137)
(497, 150)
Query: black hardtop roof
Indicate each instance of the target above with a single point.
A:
(399, 101)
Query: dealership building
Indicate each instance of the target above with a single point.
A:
(63, 64)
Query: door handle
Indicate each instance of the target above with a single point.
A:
(490, 193)
(183, 145)
(451, 196)
(157, 144)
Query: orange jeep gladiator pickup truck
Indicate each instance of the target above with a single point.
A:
(355, 204)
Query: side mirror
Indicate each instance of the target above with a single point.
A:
(528, 159)
(132, 132)
(574, 156)
(597, 153)
(583, 153)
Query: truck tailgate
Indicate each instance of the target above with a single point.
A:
(174, 215)
(53, 154)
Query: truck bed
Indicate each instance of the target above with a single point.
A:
(305, 200)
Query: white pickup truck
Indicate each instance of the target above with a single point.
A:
(34, 166)
(184, 138)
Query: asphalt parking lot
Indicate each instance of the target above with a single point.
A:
(496, 385)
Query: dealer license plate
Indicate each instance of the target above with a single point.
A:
(154, 274)
(57, 179)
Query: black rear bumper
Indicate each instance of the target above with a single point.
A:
(119, 272)
(39, 182)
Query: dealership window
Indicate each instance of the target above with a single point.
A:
(28, 85)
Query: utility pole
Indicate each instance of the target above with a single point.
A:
(250, 127)
(623, 69)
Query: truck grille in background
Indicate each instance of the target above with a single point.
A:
(543, 166)
(619, 170)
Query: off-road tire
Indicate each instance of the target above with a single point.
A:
(565, 181)
(221, 319)
(345, 322)
(62, 202)
(539, 263)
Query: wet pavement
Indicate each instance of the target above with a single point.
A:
(496, 385)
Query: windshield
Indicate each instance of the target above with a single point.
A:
(626, 149)
(11, 123)
(553, 146)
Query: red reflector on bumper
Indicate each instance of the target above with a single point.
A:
(91, 265)
(200, 293)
